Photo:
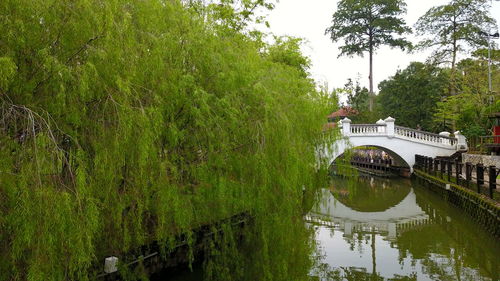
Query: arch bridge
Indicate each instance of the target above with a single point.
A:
(401, 143)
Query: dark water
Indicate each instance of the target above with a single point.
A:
(376, 229)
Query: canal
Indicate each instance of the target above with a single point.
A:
(379, 229)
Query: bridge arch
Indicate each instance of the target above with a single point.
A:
(398, 160)
(400, 142)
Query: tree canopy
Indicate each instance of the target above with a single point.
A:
(366, 25)
(286, 50)
(450, 30)
(473, 103)
(124, 123)
(454, 27)
(411, 95)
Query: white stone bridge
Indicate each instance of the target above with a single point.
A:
(401, 143)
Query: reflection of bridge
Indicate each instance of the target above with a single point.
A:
(400, 142)
(399, 218)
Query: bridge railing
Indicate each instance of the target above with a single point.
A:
(368, 129)
(388, 128)
(424, 136)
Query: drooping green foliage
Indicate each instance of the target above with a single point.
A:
(286, 51)
(411, 95)
(333, 96)
(235, 14)
(368, 24)
(124, 123)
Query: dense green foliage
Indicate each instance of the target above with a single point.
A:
(442, 94)
(470, 108)
(235, 14)
(419, 95)
(366, 25)
(411, 95)
(358, 98)
(453, 27)
(123, 123)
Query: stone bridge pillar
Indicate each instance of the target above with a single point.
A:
(461, 141)
(381, 129)
(346, 126)
(389, 121)
(446, 135)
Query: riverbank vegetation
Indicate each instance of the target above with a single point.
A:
(128, 122)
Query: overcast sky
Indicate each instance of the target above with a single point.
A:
(309, 19)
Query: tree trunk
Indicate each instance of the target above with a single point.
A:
(453, 66)
(454, 57)
(374, 259)
(370, 98)
(453, 84)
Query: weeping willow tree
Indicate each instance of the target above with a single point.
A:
(128, 122)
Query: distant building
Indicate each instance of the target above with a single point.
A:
(338, 115)
(342, 113)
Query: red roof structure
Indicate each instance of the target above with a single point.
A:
(343, 112)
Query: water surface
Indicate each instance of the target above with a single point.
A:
(380, 229)
(374, 229)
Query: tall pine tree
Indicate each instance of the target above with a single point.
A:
(366, 25)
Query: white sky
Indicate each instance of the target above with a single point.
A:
(309, 18)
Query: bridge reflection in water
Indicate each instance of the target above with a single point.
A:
(388, 230)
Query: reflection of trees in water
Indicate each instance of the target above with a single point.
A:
(357, 241)
(449, 270)
(361, 241)
(326, 273)
(450, 247)
(453, 247)
(369, 195)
